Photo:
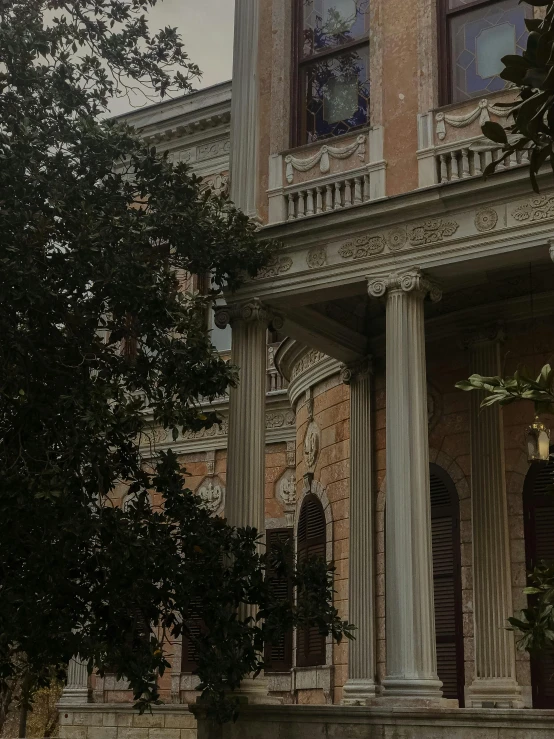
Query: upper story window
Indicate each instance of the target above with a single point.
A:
(478, 33)
(332, 67)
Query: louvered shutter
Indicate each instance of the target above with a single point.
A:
(447, 583)
(310, 644)
(189, 655)
(539, 545)
(278, 657)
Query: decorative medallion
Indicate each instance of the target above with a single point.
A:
(362, 246)
(317, 257)
(212, 494)
(311, 446)
(285, 489)
(486, 220)
(539, 208)
(432, 231)
(396, 238)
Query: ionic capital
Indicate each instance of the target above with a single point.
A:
(359, 369)
(412, 281)
(494, 334)
(251, 311)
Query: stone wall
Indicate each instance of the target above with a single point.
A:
(116, 721)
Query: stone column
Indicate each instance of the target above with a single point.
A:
(411, 650)
(360, 686)
(76, 690)
(244, 107)
(495, 684)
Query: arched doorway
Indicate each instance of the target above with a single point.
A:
(538, 506)
(447, 583)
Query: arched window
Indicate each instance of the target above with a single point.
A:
(311, 542)
(539, 546)
(447, 583)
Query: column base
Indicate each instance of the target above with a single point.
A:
(255, 692)
(74, 696)
(417, 691)
(494, 693)
(361, 692)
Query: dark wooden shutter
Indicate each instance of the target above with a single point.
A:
(189, 655)
(310, 644)
(278, 656)
(539, 547)
(447, 583)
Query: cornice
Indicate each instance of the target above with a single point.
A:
(303, 367)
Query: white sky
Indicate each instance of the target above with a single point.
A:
(207, 30)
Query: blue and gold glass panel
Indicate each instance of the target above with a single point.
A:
(479, 38)
(329, 24)
(337, 94)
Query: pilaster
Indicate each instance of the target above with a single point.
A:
(76, 690)
(495, 684)
(244, 107)
(360, 687)
(411, 651)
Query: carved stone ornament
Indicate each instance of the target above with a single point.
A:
(308, 360)
(285, 489)
(252, 310)
(291, 454)
(279, 420)
(311, 446)
(396, 238)
(317, 257)
(482, 111)
(353, 370)
(322, 156)
(218, 184)
(411, 281)
(432, 231)
(362, 246)
(212, 494)
(486, 220)
(218, 429)
(275, 267)
(538, 208)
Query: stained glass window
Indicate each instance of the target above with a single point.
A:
(333, 71)
(480, 34)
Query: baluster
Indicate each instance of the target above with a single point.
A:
(454, 166)
(357, 190)
(310, 205)
(477, 163)
(488, 157)
(444, 168)
(498, 157)
(328, 198)
(525, 155)
(291, 207)
(465, 163)
(513, 159)
(338, 200)
(367, 194)
(347, 193)
(301, 204)
(318, 200)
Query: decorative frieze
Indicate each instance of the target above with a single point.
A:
(432, 231)
(279, 420)
(396, 238)
(316, 257)
(308, 360)
(322, 157)
(362, 246)
(486, 219)
(213, 149)
(273, 420)
(538, 208)
(275, 267)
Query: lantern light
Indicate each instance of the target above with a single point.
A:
(538, 442)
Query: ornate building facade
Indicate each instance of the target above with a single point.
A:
(353, 136)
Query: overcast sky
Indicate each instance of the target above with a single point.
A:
(207, 30)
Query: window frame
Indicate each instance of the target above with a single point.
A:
(298, 130)
(444, 14)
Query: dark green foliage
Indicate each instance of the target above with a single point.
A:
(533, 112)
(98, 346)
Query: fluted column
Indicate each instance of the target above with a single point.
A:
(495, 682)
(244, 107)
(411, 650)
(76, 689)
(360, 686)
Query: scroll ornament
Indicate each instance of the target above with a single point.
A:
(321, 157)
(482, 111)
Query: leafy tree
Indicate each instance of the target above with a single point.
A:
(100, 346)
(533, 112)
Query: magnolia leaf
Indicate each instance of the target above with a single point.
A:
(495, 132)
